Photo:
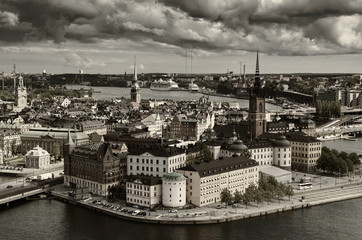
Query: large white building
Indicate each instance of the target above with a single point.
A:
(206, 180)
(173, 190)
(155, 161)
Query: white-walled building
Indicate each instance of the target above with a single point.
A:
(173, 190)
(143, 190)
(37, 158)
(154, 124)
(155, 161)
(206, 180)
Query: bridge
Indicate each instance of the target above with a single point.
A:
(8, 199)
(348, 125)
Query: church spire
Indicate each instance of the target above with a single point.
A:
(135, 70)
(69, 140)
(257, 64)
(257, 84)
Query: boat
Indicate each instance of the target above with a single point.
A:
(193, 86)
(164, 85)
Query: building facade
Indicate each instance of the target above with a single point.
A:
(50, 139)
(206, 180)
(305, 151)
(10, 142)
(173, 190)
(37, 158)
(155, 161)
(145, 191)
(93, 166)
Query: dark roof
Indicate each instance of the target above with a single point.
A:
(258, 144)
(220, 166)
(146, 180)
(161, 152)
(300, 137)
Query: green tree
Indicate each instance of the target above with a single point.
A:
(226, 196)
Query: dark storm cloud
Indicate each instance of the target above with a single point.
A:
(284, 27)
(48, 18)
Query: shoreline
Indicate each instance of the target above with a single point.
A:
(210, 215)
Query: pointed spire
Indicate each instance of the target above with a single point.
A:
(135, 70)
(257, 84)
(69, 140)
(257, 63)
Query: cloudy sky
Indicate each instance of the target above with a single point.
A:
(103, 36)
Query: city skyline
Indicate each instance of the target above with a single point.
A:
(103, 36)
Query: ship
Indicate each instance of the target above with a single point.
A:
(164, 85)
(193, 86)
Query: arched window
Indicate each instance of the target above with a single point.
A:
(260, 107)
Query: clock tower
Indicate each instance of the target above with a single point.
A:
(256, 116)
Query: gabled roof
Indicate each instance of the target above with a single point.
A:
(145, 180)
(160, 152)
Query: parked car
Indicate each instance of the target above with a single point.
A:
(135, 212)
(9, 186)
(173, 211)
(218, 206)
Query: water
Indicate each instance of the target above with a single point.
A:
(51, 219)
(344, 145)
(107, 93)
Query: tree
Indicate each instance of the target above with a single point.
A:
(289, 191)
(56, 150)
(226, 196)
(246, 153)
(205, 153)
(247, 198)
(238, 196)
(280, 191)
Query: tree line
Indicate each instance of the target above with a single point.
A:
(265, 191)
(328, 109)
(333, 161)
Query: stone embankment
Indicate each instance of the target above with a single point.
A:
(211, 215)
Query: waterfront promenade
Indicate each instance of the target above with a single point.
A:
(210, 214)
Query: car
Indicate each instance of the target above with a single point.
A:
(135, 206)
(135, 212)
(173, 211)
(9, 186)
(143, 214)
(218, 206)
(24, 185)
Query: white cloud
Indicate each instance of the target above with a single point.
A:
(8, 18)
(73, 59)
